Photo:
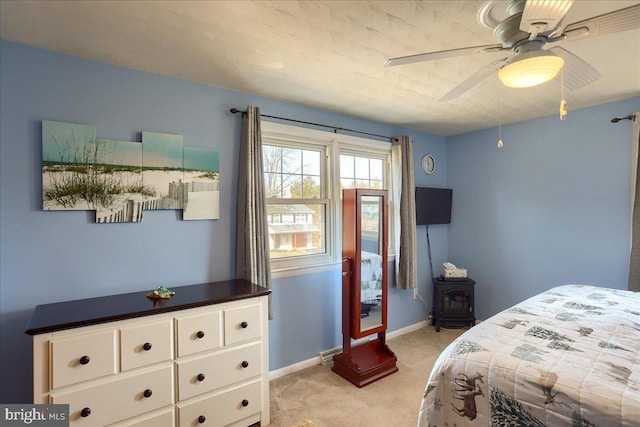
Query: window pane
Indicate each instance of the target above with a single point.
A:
(287, 218)
(271, 158)
(272, 185)
(289, 183)
(347, 183)
(291, 160)
(362, 168)
(311, 162)
(376, 169)
(301, 231)
(309, 189)
(346, 166)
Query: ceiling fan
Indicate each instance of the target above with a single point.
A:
(524, 28)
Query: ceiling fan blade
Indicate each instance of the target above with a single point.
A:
(474, 79)
(431, 56)
(540, 16)
(608, 23)
(576, 73)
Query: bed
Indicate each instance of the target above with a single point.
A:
(569, 356)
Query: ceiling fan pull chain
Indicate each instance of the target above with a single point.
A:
(563, 102)
(500, 143)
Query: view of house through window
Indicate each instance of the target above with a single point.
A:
(293, 184)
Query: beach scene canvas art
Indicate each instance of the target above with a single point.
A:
(201, 173)
(121, 179)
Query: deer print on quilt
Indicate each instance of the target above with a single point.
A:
(567, 357)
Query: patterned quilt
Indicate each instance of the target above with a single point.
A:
(569, 356)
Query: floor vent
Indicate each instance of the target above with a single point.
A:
(326, 357)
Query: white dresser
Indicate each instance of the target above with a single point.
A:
(198, 359)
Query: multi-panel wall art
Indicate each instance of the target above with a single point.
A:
(121, 179)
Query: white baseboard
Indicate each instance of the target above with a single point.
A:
(294, 368)
(290, 369)
(407, 329)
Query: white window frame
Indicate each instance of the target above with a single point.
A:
(333, 145)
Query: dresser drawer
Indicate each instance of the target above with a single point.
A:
(198, 333)
(162, 418)
(207, 373)
(123, 397)
(145, 344)
(242, 324)
(221, 409)
(82, 357)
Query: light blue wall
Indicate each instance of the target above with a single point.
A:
(550, 208)
(56, 256)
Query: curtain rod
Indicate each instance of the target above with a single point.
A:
(335, 128)
(629, 117)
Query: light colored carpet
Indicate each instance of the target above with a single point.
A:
(303, 424)
(319, 395)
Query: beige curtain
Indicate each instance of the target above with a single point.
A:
(404, 215)
(252, 232)
(634, 262)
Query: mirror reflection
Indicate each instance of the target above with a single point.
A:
(371, 262)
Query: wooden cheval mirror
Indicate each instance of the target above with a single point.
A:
(364, 288)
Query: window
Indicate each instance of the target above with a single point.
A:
(305, 171)
(292, 179)
(361, 172)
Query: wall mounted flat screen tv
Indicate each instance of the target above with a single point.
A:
(433, 205)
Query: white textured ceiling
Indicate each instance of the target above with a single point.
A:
(326, 54)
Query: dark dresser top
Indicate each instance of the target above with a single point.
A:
(92, 311)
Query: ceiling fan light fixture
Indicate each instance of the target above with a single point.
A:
(531, 69)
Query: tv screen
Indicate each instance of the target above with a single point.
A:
(433, 205)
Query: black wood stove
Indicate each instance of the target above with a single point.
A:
(453, 302)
